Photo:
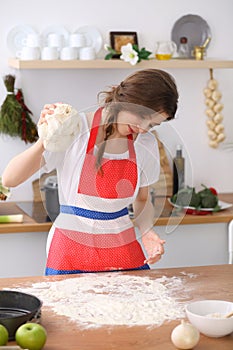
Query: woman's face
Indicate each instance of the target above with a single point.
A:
(130, 123)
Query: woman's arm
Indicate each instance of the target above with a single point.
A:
(144, 219)
(24, 165)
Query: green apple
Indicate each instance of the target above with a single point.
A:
(31, 336)
(4, 335)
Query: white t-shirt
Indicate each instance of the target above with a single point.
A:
(69, 163)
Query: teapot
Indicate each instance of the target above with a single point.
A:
(164, 50)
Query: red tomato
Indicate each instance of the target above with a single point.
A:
(213, 190)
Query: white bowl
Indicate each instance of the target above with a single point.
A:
(208, 317)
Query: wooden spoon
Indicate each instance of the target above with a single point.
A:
(230, 314)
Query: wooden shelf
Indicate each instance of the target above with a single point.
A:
(118, 64)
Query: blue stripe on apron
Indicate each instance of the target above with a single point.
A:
(91, 214)
(50, 271)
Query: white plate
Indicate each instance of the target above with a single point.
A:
(194, 28)
(93, 37)
(16, 37)
(222, 205)
(57, 30)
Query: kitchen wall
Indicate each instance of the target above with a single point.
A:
(153, 21)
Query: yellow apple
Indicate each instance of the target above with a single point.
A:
(4, 335)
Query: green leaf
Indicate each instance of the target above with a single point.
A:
(108, 56)
(144, 54)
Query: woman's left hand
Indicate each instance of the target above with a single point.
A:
(153, 246)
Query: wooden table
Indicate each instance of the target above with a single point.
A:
(211, 282)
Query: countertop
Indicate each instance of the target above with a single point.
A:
(210, 282)
(36, 219)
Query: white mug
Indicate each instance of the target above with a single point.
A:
(49, 53)
(29, 53)
(68, 53)
(32, 40)
(77, 40)
(87, 53)
(55, 40)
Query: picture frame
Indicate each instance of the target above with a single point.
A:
(118, 39)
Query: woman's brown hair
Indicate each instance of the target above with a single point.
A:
(143, 92)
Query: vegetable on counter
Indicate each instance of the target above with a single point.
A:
(5, 219)
(4, 191)
(205, 198)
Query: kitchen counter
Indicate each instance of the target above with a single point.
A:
(36, 219)
(210, 282)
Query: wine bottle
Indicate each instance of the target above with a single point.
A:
(178, 170)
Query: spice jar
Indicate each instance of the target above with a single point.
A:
(183, 49)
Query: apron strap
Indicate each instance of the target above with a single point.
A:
(94, 131)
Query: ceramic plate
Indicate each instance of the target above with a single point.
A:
(93, 37)
(194, 28)
(16, 37)
(223, 205)
(57, 30)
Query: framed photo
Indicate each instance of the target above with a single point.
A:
(118, 39)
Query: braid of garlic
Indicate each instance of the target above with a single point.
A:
(213, 111)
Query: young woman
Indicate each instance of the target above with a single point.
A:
(108, 166)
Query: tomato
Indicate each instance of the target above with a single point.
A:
(213, 190)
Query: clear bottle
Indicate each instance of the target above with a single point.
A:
(178, 170)
(183, 49)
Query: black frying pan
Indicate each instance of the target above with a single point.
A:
(17, 308)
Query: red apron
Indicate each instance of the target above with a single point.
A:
(74, 251)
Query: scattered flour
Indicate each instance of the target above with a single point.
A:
(93, 300)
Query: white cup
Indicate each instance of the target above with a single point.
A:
(49, 53)
(68, 53)
(77, 40)
(29, 53)
(56, 40)
(32, 40)
(87, 53)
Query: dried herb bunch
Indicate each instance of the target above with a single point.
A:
(15, 117)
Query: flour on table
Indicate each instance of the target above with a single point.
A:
(112, 299)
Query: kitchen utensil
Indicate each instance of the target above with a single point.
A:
(16, 36)
(202, 315)
(199, 52)
(194, 28)
(164, 50)
(49, 53)
(87, 53)
(51, 197)
(17, 308)
(206, 42)
(58, 30)
(92, 36)
(69, 53)
(230, 314)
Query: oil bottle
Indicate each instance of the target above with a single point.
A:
(178, 170)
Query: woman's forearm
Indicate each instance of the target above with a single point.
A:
(143, 211)
(24, 165)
